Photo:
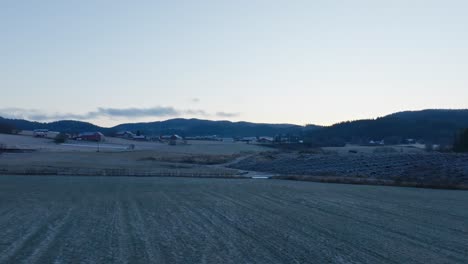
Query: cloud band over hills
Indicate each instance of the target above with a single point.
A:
(132, 112)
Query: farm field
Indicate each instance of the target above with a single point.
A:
(112, 144)
(441, 170)
(53, 219)
(43, 156)
(127, 163)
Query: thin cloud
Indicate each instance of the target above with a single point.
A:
(133, 112)
(33, 114)
(138, 112)
(225, 114)
(196, 112)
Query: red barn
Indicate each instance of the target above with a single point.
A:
(91, 136)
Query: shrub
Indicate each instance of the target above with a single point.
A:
(6, 128)
(60, 138)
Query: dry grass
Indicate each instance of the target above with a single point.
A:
(119, 145)
(371, 181)
(148, 158)
(113, 163)
(434, 170)
(202, 159)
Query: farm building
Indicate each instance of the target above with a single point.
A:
(172, 139)
(265, 140)
(139, 138)
(131, 135)
(247, 139)
(176, 139)
(40, 132)
(124, 134)
(91, 136)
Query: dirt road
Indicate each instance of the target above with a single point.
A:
(165, 220)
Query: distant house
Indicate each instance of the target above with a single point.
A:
(140, 138)
(176, 139)
(125, 134)
(265, 140)
(130, 135)
(248, 139)
(40, 132)
(172, 139)
(91, 136)
(376, 143)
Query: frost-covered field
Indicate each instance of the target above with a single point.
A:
(112, 144)
(441, 170)
(182, 220)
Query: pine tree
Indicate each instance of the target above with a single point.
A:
(461, 142)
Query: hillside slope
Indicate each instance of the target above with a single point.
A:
(183, 127)
(438, 126)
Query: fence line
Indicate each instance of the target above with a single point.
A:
(117, 172)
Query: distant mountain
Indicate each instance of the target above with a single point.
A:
(437, 126)
(183, 127)
(197, 127)
(66, 126)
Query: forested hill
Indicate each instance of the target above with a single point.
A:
(183, 127)
(437, 126)
(197, 127)
(66, 126)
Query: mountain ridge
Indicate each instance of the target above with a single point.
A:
(430, 125)
(182, 126)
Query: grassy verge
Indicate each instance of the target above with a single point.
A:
(369, 181)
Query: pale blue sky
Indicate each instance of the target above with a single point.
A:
(264, 61)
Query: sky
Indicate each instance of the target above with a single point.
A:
(302, 62)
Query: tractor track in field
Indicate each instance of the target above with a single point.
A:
(184, 220)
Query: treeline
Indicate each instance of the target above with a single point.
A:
(7, 128)
(182, 127)
(461, 142)
(197, 127)
(428, 126)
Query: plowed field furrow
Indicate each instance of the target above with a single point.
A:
(181, 220)
(378, 216)
(223, 231)
(378, 230)
(144, 249)
(27, 249)
(296, 228)
(47, 242)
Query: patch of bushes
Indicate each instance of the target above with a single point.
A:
(461, 142)
(60, 138)
(6, 128)
(193, 159)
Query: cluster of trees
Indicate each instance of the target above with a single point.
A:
(435, 126)
(7, 128)
(461, 142)
(61, 138)
(183, 127)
